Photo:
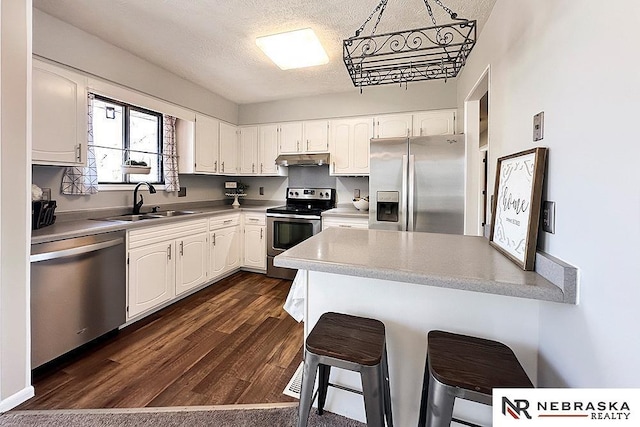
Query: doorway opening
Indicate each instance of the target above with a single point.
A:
(477, 133)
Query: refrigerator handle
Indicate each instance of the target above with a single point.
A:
(403, 203)
(412, 191)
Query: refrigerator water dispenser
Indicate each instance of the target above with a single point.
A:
(388, 203)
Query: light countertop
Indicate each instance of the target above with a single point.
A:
(71, 225)
(443, 260)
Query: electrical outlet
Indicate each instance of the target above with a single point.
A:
(538, 126)
(549, 217)
(262, 191)
(356, 193)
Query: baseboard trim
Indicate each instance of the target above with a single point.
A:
(162, 409)
(16, 399)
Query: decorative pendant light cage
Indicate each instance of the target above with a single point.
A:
(430, 53)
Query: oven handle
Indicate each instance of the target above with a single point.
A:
(294, 216)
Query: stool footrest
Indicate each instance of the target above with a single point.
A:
(342, 387)
(466, 423)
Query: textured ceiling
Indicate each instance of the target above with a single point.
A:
(212, 42)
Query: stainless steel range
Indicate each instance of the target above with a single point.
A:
(298, 220)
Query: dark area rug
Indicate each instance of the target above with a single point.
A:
(273, 417)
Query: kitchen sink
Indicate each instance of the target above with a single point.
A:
(131, 217)
(151, 215)
(173, 213)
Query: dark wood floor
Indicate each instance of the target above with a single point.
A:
(229, 343)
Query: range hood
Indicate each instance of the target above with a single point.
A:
(318, 159)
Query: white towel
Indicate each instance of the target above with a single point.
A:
(294, 305)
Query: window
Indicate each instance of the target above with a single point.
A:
(126, 134)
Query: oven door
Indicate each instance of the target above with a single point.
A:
(286, 231)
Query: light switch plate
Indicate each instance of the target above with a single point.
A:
(538, 126)
(549, 217)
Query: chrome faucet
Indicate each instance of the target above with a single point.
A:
(137, 205)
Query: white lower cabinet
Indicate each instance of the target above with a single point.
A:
(225, 244)
(192, 262)
(165, 261)
(255, 241)
(151, 277)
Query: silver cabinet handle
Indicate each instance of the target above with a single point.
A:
(75, 251)
(181, 248)
(79, 153)
(215, 166)
(253, 168)
(307, 145)
(169, 252)
(253, 219)
(344, 226)
(214, 239)
(222, 167)
(261, 233)
(297, 145)
(227, 221)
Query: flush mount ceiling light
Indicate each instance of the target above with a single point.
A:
(293, 49)
(430, 53)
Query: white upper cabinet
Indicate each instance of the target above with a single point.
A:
(393, 126)
(268, 149)
(249, 150)
(291, 138)
(349, 146)
(442, 122)
(316, 136)
(59, 116)
(228, 149)
(207, 144)
(304, 137)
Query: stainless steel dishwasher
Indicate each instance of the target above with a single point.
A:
(78, 292)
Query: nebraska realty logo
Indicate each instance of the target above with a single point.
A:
(566, 407)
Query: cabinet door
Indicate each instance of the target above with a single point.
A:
(350, 146)
(268, 149)
(59, 116)
(362, 134)
(316, 136)
(225, 250)
(234, 255)
(207, 143)
(434, 123)
(255, 247)
(341, 135)
(192, 262)
(151, 277)
(291, 138)
(393, 126)
(228, 149)
(249, 150)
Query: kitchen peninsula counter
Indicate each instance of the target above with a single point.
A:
(415, 283)
(444, 260)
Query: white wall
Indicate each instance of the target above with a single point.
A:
(575, 61)
(15, 212)
(433, 95)
(61, 42)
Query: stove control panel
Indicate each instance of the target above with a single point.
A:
(310, 193)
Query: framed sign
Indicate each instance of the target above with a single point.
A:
(516, 205)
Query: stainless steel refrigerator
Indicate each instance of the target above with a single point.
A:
(417, 184)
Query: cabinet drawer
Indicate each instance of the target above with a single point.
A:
(254, 219)
(161, 233)
(345, 222)
(221, 221)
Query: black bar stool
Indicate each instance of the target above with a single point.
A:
(353, 343)
(464, 367)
